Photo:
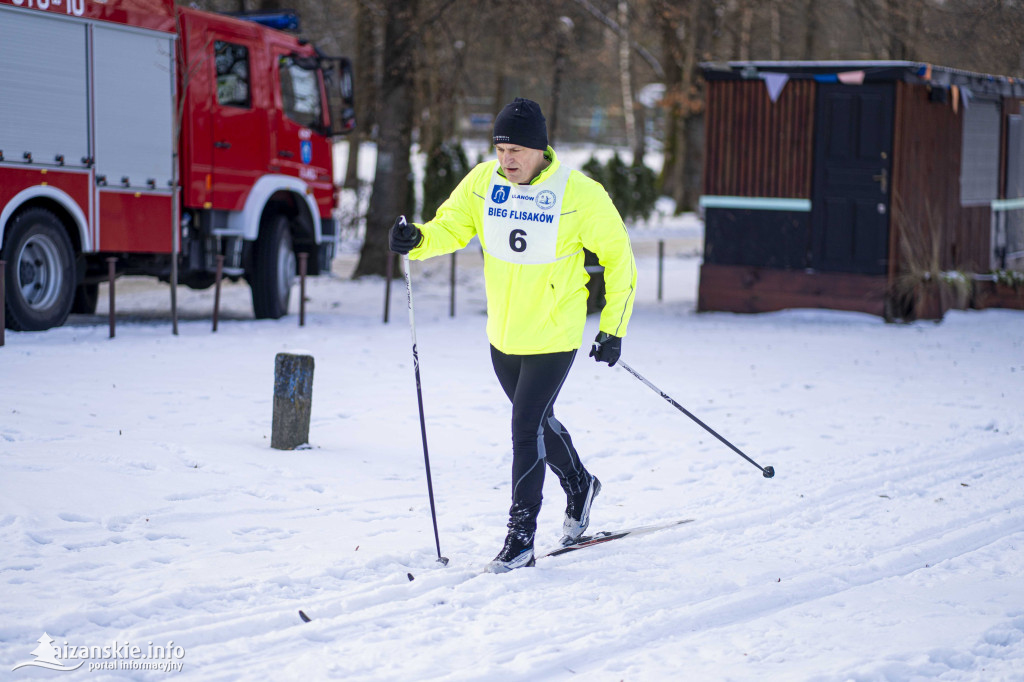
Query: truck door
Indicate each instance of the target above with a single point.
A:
(239, 122)
(302, 148)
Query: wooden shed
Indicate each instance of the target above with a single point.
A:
(888, 187)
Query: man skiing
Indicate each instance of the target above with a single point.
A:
(534, 217)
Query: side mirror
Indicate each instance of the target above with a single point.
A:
(339, 83)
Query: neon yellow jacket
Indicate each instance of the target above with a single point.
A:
(534, 309)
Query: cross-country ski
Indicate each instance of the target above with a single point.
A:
(607, 536)
(582, 543)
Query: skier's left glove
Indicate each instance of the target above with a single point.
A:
(606, 348)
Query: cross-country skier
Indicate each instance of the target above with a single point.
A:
(534, 217)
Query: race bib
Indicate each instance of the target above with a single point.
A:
(521, 221)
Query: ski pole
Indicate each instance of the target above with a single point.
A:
(423, 422)
(767, 471)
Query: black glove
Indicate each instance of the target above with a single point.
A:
(404, 236)
(607, 348)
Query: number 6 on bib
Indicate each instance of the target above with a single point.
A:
(517, 240)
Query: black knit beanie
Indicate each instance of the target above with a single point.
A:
(521, 122)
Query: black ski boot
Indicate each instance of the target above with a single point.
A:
(517, 553)
(518, 549)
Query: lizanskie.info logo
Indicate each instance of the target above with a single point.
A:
(114, 656)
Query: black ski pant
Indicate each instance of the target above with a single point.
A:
(532, 383)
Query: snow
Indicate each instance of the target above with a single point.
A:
(142, 503)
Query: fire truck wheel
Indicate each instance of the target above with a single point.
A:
(274, 264)
(40, 275)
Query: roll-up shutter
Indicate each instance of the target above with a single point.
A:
(133, 75)
(43, 89)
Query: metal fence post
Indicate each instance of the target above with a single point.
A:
(111, 275)
(303, 257)
(3, 300)
(216, 289)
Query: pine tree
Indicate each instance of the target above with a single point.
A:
(446, 166)
(45, 652)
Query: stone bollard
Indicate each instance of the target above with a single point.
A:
(293, 400)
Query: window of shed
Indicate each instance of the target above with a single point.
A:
(979, 159)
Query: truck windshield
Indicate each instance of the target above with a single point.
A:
(300, 93)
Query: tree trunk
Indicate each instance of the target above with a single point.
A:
(775, 22)
(680, 33)
(391, 183)
(365, 87)
(669, 25)
(746, 24)
(562, 36)
(810, 28)
(625, 79)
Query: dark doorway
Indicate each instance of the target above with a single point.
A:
(852, 178)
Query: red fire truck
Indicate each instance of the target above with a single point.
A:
(162, 136)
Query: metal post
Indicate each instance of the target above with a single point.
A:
(3, 300)
(111, 275)
(661, 265)
(389, 271)
(216, 289)
(451, 281)
(303, 258)
(175, 245)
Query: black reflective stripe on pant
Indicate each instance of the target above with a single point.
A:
(532, 383)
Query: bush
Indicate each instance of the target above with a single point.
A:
(631, 188)
(446, 166)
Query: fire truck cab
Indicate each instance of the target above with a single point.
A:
(169, 138)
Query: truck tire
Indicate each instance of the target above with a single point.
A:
(274, 268)
(40, 275)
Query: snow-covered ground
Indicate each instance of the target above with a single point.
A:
(141, 503)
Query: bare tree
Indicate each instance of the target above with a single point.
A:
(364, 66)
(393, 176)
(687, 32)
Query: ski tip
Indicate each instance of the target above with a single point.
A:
(304, 617)
(410, 577)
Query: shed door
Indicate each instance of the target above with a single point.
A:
(852, 178)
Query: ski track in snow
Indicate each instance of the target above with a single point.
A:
(142, 501)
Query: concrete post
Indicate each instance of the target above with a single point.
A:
(293, 400)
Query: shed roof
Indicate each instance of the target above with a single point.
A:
(868, 71)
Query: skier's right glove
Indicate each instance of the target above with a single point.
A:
(404, 236)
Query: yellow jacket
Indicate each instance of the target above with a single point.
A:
(541, 308)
